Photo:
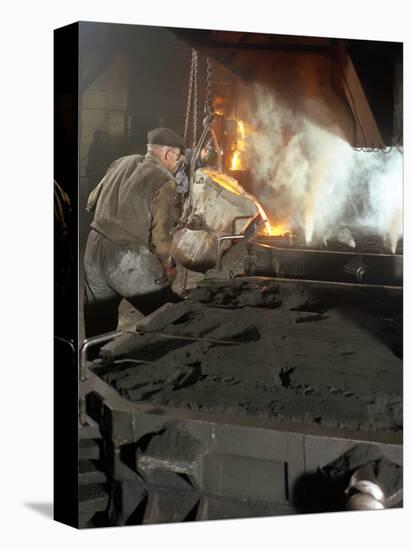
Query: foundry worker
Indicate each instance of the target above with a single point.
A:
(128, 249)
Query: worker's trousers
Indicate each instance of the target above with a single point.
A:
(113, 272)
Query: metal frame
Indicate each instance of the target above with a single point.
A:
(233, 466)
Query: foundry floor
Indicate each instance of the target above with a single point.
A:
(271, 349)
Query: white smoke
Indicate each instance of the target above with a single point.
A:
(384, 174)
(310, 177)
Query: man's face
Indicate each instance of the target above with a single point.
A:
(172, 157)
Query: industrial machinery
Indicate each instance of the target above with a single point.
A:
(274, 386)
(254, 396)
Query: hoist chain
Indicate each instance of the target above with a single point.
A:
(209, 83)
(189, 97)
(192, 94)
(195, 121)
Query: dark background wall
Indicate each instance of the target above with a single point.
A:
(133, 78)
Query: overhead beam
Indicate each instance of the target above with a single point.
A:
(367, 133)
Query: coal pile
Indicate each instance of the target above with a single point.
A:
(271, 349)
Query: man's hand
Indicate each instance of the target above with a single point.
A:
(168, 277)
(170, 273)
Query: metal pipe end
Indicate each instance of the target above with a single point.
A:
(363, 501)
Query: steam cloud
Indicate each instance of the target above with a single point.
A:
(312, 178)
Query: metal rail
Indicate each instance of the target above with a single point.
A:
(267, 244)
(219, 247)
(83, 357)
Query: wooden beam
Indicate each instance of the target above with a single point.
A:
(367, 131)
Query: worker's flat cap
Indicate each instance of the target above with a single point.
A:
(166, 136)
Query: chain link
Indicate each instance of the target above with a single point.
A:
(195, 121)
(189, 97)
(192, 96)
(209, 82)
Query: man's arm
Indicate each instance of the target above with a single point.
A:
(163, 221)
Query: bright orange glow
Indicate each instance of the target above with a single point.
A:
(238, 157)
(218, 105)
(263, 215)
(277, 230)
(235, 160)
(225, 181)
(241, 127)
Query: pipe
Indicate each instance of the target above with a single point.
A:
(364, 490)
(219, 252)
(357, 268)
(88, 343)
(93, 341)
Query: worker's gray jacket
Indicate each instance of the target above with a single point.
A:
(136, 204)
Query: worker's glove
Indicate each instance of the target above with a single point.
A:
(168, 277)
(170, 273)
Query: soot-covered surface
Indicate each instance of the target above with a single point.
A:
(288, 351)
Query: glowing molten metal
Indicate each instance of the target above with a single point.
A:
(277, 230)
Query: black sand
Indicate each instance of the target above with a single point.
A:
(286, 351)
